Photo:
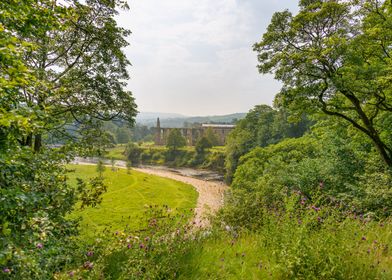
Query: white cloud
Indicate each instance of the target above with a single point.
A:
(195, 57)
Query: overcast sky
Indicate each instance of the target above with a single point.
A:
(194, 57)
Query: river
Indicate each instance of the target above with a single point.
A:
(201, 174)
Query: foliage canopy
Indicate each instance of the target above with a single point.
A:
(261, 127)
(62, 72)
(175, 140)
(69, 69)
(335, 57)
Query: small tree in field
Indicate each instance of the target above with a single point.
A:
(129, 166)
(175, 140)
(132, 152)
(100, 168)
(113, 164)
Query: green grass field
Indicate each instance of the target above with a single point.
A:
(116, 152)
(127, 197)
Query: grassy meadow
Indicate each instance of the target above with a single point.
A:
(127, 197)
(306, 243)
(351, 251)
(117, 152)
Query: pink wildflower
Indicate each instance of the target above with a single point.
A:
(89, 253)
(88, 265)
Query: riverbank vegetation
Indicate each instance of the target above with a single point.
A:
(207, 157)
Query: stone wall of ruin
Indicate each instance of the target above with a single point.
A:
(192, 134)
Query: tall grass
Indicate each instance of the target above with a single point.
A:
(301, 242)
(301, 237)
(153, 251)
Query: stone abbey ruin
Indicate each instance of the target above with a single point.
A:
(194, 133)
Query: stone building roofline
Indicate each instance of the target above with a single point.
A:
(218, 125)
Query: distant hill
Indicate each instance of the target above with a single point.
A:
(176, 120)
(148, 116)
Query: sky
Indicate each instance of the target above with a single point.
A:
(195, 57)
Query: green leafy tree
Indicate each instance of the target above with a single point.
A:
(80, 68)
(334, 57)
(122, 135)
(16, 21)
(175, 140)
(35, 196)
(61, 69)
(132, 153)
(212, 137)
(100, 168)
(129, 166)
(261, 127)
(202, 144)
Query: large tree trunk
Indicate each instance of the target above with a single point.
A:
(382, 151)
(29, 140)
(37, 142)
(370, 130)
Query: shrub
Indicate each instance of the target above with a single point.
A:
(132, 153)
(215, 160)
(35, 197)
(158, 157)
(353, 175)
(201, 146)
(146, 156)
(261, 127)
(308, 239)
(175, 140)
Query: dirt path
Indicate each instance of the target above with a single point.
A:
(210, 193)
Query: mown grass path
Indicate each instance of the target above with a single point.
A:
(127, 197)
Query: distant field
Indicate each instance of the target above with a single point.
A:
(117, 152)
(127, 197)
